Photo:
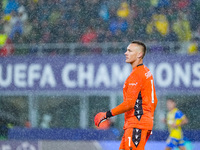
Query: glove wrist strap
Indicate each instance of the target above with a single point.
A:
(108, 114)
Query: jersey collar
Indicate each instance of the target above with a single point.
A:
(139, 65)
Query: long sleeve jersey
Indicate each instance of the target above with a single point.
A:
(139, 99)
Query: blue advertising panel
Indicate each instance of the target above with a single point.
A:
(151, 145)
(172, 73)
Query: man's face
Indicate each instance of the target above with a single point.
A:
(170, 105)
(133, 53)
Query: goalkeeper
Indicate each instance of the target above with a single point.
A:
(139, 101)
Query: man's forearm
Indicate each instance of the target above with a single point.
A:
(123, 107)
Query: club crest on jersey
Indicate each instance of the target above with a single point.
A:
(148, 74)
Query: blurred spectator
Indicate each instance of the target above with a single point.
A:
(181, 4)
(35, 1)
(54, 16)
(60, 21)
(193, 46)
(123, 11)
(6, 46)
(104, 12)
(7, 49)
(7, 26)
(154, 3)
(27, 124)
(11, 5)
(22, 14)
(158, 27)
(46, 119)
(27, 27)
(118, 24)
(89, 36)
(3, 4)
(164, 3)
(3, 38)
(17, 27)
(182, 27)
(160, 3)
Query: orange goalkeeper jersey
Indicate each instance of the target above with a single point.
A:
(139, 99)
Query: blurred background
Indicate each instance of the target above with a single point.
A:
(62, 61)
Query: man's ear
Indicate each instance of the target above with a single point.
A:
(140, 54)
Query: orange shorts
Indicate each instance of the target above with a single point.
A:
(134, 139)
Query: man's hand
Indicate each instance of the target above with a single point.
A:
(174, 125)
(99, 118)
(102, 116)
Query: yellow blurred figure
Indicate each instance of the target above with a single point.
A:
(160, 22)
(35, 1)
(4, 3)
(3, 38)
(123, 10)
(154, 2)
(7, 17)
(193, 48)
(182, 28)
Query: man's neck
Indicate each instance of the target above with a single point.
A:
(174, 109)
(136, 63)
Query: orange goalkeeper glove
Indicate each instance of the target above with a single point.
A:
(101, 116)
